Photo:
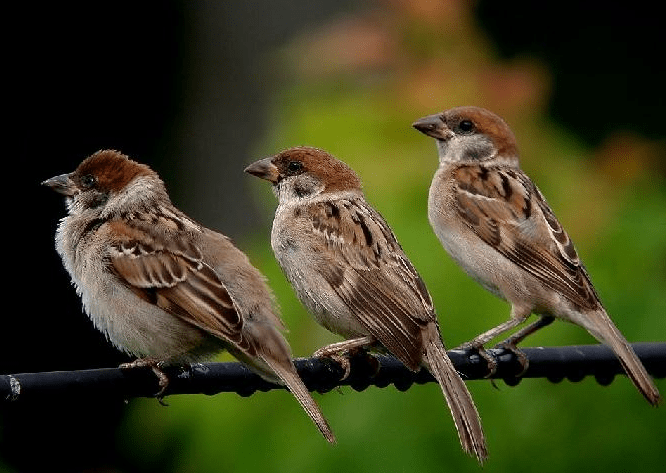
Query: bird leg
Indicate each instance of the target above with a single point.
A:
(519, 336)
(477, 343)
(510, 344)
(340, 352)
(156, 367)
(476, 347)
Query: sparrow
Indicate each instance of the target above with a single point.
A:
(161, 286)
(494, 222)
(347, 267)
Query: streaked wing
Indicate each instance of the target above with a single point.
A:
(172, 275)
(506, 210)
(371, 274)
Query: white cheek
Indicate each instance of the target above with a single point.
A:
(465, 148)
(74, 205)
(442, 148)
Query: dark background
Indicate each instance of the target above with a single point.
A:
(182, 87)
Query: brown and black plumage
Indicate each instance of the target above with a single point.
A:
(494, 222)
(349, 270)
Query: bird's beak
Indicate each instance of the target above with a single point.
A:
(264, 169)
(62, 184)
(433, 126)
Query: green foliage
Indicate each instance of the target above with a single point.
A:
(620, 229)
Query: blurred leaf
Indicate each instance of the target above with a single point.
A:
(358, 104)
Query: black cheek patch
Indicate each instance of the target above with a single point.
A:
(98, 199)
(472, 155)
(301, 191)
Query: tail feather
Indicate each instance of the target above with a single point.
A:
(270, 356)
(603, 329)
(458, 398)
(289, 376)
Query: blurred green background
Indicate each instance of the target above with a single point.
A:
(352, 84)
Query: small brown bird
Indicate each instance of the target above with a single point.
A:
(494, 222)
(161, 286)
(349, 270)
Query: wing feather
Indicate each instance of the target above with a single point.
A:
(507, 211)
(371, 274)
(174, 276)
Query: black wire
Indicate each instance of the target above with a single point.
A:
(554, 363)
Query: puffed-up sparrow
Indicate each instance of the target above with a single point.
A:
(161, 286)
(349, 270)
(494, 222)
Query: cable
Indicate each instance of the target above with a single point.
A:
(554, 363)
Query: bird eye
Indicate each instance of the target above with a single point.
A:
(294, 166)
(88, 180)
(466, 126)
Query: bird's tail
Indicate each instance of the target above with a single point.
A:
(602, 328)
(269, 356)
(289, 376)
(457, 396)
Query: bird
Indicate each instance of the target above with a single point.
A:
(161, 286)
(348, 269)
(495, 223)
